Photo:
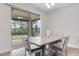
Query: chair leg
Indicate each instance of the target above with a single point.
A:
(39, 52)
(25, 52)
(30, 53)
(66, 52)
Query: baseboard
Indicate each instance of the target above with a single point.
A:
(73, 46)
(4, 51)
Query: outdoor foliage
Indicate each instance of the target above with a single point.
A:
(20, 29)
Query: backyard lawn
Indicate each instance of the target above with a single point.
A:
(18, 37)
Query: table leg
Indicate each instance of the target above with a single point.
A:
(43, 50)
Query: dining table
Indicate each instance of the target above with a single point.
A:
(43, 41)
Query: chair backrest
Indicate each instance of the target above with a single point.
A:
(27, 44)
(65, 42)
(60, 35)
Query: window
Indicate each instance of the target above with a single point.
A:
(36, 27)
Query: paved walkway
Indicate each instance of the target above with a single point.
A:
(17, 44)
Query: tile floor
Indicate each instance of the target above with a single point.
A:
(20, 52)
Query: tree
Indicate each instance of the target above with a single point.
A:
(14, 25)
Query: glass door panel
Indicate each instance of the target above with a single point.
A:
(36, 28)
(18, 31)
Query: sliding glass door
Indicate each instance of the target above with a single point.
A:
(18, 31)
(23, 24)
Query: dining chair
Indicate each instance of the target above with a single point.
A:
(61, 47)
(30, 48)
(49, 50)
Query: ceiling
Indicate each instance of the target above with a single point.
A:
(43, 7)
(25, 15)
(40, 6)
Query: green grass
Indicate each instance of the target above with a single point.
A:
(17, 37)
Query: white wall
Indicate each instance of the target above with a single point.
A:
(5, 34)
(65, 20)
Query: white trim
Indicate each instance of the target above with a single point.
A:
(74, 46)
(4, 51)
